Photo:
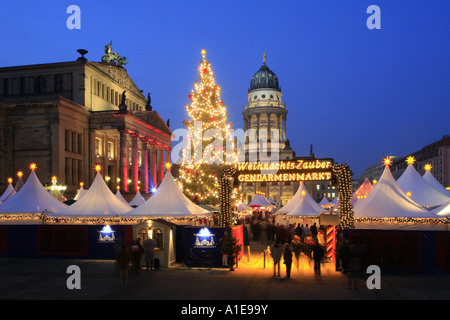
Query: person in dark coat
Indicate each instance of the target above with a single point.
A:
(318, 257)
(123, 259)
(287, 256)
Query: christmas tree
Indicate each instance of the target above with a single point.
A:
(209, 146)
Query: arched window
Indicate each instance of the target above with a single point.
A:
(143, 234)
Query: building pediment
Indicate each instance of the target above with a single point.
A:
(119, 75)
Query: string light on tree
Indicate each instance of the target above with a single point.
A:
(209, 145)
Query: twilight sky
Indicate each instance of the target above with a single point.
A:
(356, 94)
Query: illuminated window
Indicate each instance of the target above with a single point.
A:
(158, 237)
(98, 147)
(143, 234)
(110, 150)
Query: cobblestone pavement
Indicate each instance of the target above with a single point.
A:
(44, 279)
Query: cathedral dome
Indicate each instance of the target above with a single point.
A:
(264, 78)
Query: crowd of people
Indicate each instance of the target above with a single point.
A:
(285, 242)
(131, 255)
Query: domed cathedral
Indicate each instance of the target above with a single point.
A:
(265, 118)
(265, 126)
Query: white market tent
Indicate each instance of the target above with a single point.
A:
(428, 176)
(242, 206)
(120, 196)
(387, 200)
(442, 211)
(137, 200)
(9, 192)
(81, 192)
(32, 198)
(260, 201)
(324, 203)
(305, 207)
(388, 207)
(98, 201)
(421, 191)
(363, 191)
(167, 202)
(296, 199)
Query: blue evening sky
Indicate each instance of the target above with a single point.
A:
(356, 94)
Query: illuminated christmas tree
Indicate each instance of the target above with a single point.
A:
(210, 147)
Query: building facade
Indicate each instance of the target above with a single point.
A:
(67, 117)
(437, 154)
(265, 118)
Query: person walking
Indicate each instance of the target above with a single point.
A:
(318, 257)
(136, 254)
(123, 259)
(275, 252)
(314, 231)
(287, 257)
(149, 247)
(297, 249)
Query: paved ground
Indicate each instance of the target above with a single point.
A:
(46, 279)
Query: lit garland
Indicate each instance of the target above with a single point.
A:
(205, 155)
(226, 190)
(344, 176)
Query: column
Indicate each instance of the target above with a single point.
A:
(160, 164)
(284, 129)
(152, 167)
(144, 171)
(280, 133)
(123, 164)
(135, 160)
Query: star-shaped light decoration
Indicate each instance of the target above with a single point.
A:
(20, 174)
(10, 180)
(98, 168)
(428, 167)
(33, 166)
(387, 161)
(168, 166)
(410, 160)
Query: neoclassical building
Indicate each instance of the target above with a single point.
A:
(265, 117)
(67, 117)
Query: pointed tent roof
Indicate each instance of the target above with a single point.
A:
(19, 183)
(81, 192)
(363, 191)
(99, 201)
(443, 210)
(242, 206)
(324, 202)
(271, 201)
(32, 198)
(421, 191)
(428, 176)
(168, 202)
(260, 201)
(120, 196)
(387, 200)
(296, 199)
(9, 192)
(306, 207)
(137, 200)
